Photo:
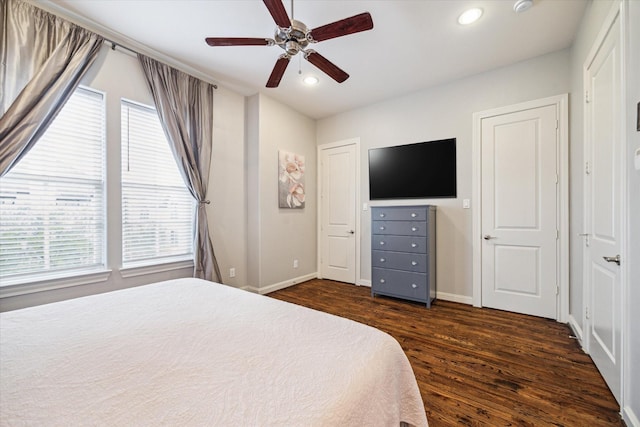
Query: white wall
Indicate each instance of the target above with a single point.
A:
(227, 213)
(445, 112)
(278, 236)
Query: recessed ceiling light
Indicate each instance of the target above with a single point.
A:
(470, 16)
(310, 80)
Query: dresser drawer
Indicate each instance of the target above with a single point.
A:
(401, 284)
(399, 213)
(417, 245)
(399, 261)
(401, 228)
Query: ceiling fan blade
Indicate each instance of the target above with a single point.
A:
(278, 12)
(326, 66)
(354, 24)
(278, 71)
(237, 41)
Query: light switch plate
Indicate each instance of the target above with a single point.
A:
(466, 203)
(636, 160)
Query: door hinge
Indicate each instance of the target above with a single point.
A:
(557, 234)
(557, 290)
(587, 168)
(586, 312)
(557, 179)
(586, 96)
(557, 124)
(586, 238)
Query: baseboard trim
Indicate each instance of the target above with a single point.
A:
(463, 299)
(445, 296)
(281, 285)
(577, 330)
(630, 418)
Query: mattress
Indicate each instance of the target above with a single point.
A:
(192, 352)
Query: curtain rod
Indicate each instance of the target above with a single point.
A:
(129, 50)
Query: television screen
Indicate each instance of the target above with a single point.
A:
(423, 170)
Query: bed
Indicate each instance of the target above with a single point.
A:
(192, 352)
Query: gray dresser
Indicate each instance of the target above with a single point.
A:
(403, 256)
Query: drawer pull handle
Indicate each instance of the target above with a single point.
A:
(381, 280)
(382, 215)
(413, 215)
(382, 243)
(382, 260)
(414, 245)
(414, 228)
(382, 227)
(414, 263)
(413, 285)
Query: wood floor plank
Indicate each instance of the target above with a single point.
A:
(478, 367)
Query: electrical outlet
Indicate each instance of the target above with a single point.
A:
(295, 263)
(232, 272)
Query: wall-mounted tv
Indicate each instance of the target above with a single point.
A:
(424, 170)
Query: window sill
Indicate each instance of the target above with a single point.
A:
(16, 287)
(133, 270)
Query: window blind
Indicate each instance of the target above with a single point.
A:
(52, 212)
(157, 209)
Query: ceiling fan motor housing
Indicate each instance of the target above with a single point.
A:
(293, 39)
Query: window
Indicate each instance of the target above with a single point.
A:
(52, 209)
(157, 209)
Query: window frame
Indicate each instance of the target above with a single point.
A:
(112, 267)
(152, 265)
(73, 276)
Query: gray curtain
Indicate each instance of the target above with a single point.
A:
(185, 108)
(43, 58)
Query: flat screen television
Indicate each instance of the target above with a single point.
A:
(424, 170)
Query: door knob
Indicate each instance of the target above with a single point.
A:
(615, 259)
(487, 237)
(351, 232)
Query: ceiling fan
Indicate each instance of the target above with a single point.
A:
(293, 37)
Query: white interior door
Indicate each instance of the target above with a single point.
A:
(338, 212)
(603, 210)
(519, 152)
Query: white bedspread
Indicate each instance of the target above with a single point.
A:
(190, 352)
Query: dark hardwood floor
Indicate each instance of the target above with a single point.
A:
(478, 366)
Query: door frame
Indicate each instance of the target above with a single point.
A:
(617, 11)
(341, 143)
(562, 274)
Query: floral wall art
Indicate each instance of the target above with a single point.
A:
(291, 180)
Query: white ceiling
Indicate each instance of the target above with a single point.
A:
(415, 44)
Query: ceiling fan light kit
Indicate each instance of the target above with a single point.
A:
(470, 16)
(310, 80)
(293, 37)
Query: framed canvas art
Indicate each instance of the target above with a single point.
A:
(290, 180)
